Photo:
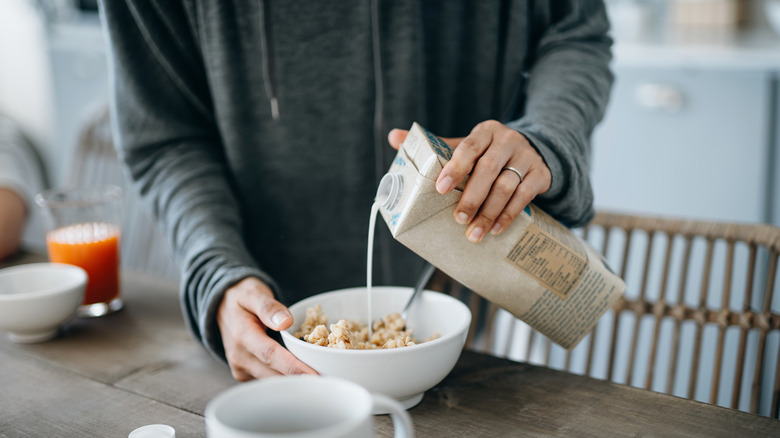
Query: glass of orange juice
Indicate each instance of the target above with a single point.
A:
(83, 229)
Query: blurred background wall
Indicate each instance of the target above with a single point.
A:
(54, 84)
(691, 128)
(692, 125)
(52, 73)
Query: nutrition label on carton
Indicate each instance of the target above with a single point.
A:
(554, 265)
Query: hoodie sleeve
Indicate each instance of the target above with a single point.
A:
(21, 169)
(567, 93)
(166, 135)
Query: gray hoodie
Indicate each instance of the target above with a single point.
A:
(256, 130)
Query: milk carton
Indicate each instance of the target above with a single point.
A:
(537, 269)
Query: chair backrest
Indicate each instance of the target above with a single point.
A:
(144, 249)
(699, 319)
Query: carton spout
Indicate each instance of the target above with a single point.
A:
(390, 191)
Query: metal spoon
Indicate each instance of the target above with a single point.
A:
(426, 274)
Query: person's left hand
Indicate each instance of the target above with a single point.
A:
(494, 195)
(246, 310)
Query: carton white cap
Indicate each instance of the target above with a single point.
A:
(153, 431)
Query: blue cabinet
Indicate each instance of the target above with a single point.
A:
(688, 141)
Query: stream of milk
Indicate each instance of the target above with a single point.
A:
(370, 263)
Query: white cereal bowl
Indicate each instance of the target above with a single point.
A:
(37, 298)
(401, 373)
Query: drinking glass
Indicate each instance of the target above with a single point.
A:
(83, 228)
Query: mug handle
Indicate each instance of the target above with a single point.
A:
(402, 422)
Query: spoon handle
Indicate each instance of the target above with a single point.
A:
(421, 282)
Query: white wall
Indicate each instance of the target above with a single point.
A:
(25, 84)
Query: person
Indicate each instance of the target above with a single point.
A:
(21, 176)
(13, 215)
(257, 133)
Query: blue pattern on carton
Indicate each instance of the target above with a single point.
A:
(442, 149)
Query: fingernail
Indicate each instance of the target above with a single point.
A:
(475, 235)
(443, 185)
(279, 318)
(496, 229)
(462, 218)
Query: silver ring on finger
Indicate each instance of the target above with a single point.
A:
(517, 172)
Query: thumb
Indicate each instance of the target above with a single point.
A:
(397, 136)
(274, 314)
(256, 297)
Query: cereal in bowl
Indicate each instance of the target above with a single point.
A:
(389, 332)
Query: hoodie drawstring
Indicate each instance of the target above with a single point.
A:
(269, 68)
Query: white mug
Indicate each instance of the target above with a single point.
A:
(301, 407)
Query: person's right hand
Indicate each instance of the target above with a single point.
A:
(493, 196)
(243, 315)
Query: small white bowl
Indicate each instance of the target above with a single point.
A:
(37, 298)
(401, 373)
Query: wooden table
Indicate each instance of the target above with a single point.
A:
(105, 377)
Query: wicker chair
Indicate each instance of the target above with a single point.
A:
(699, 319)
(95, 161)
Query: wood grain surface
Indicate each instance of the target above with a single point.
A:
(104, 377)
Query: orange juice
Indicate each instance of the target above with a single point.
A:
(94, 246)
